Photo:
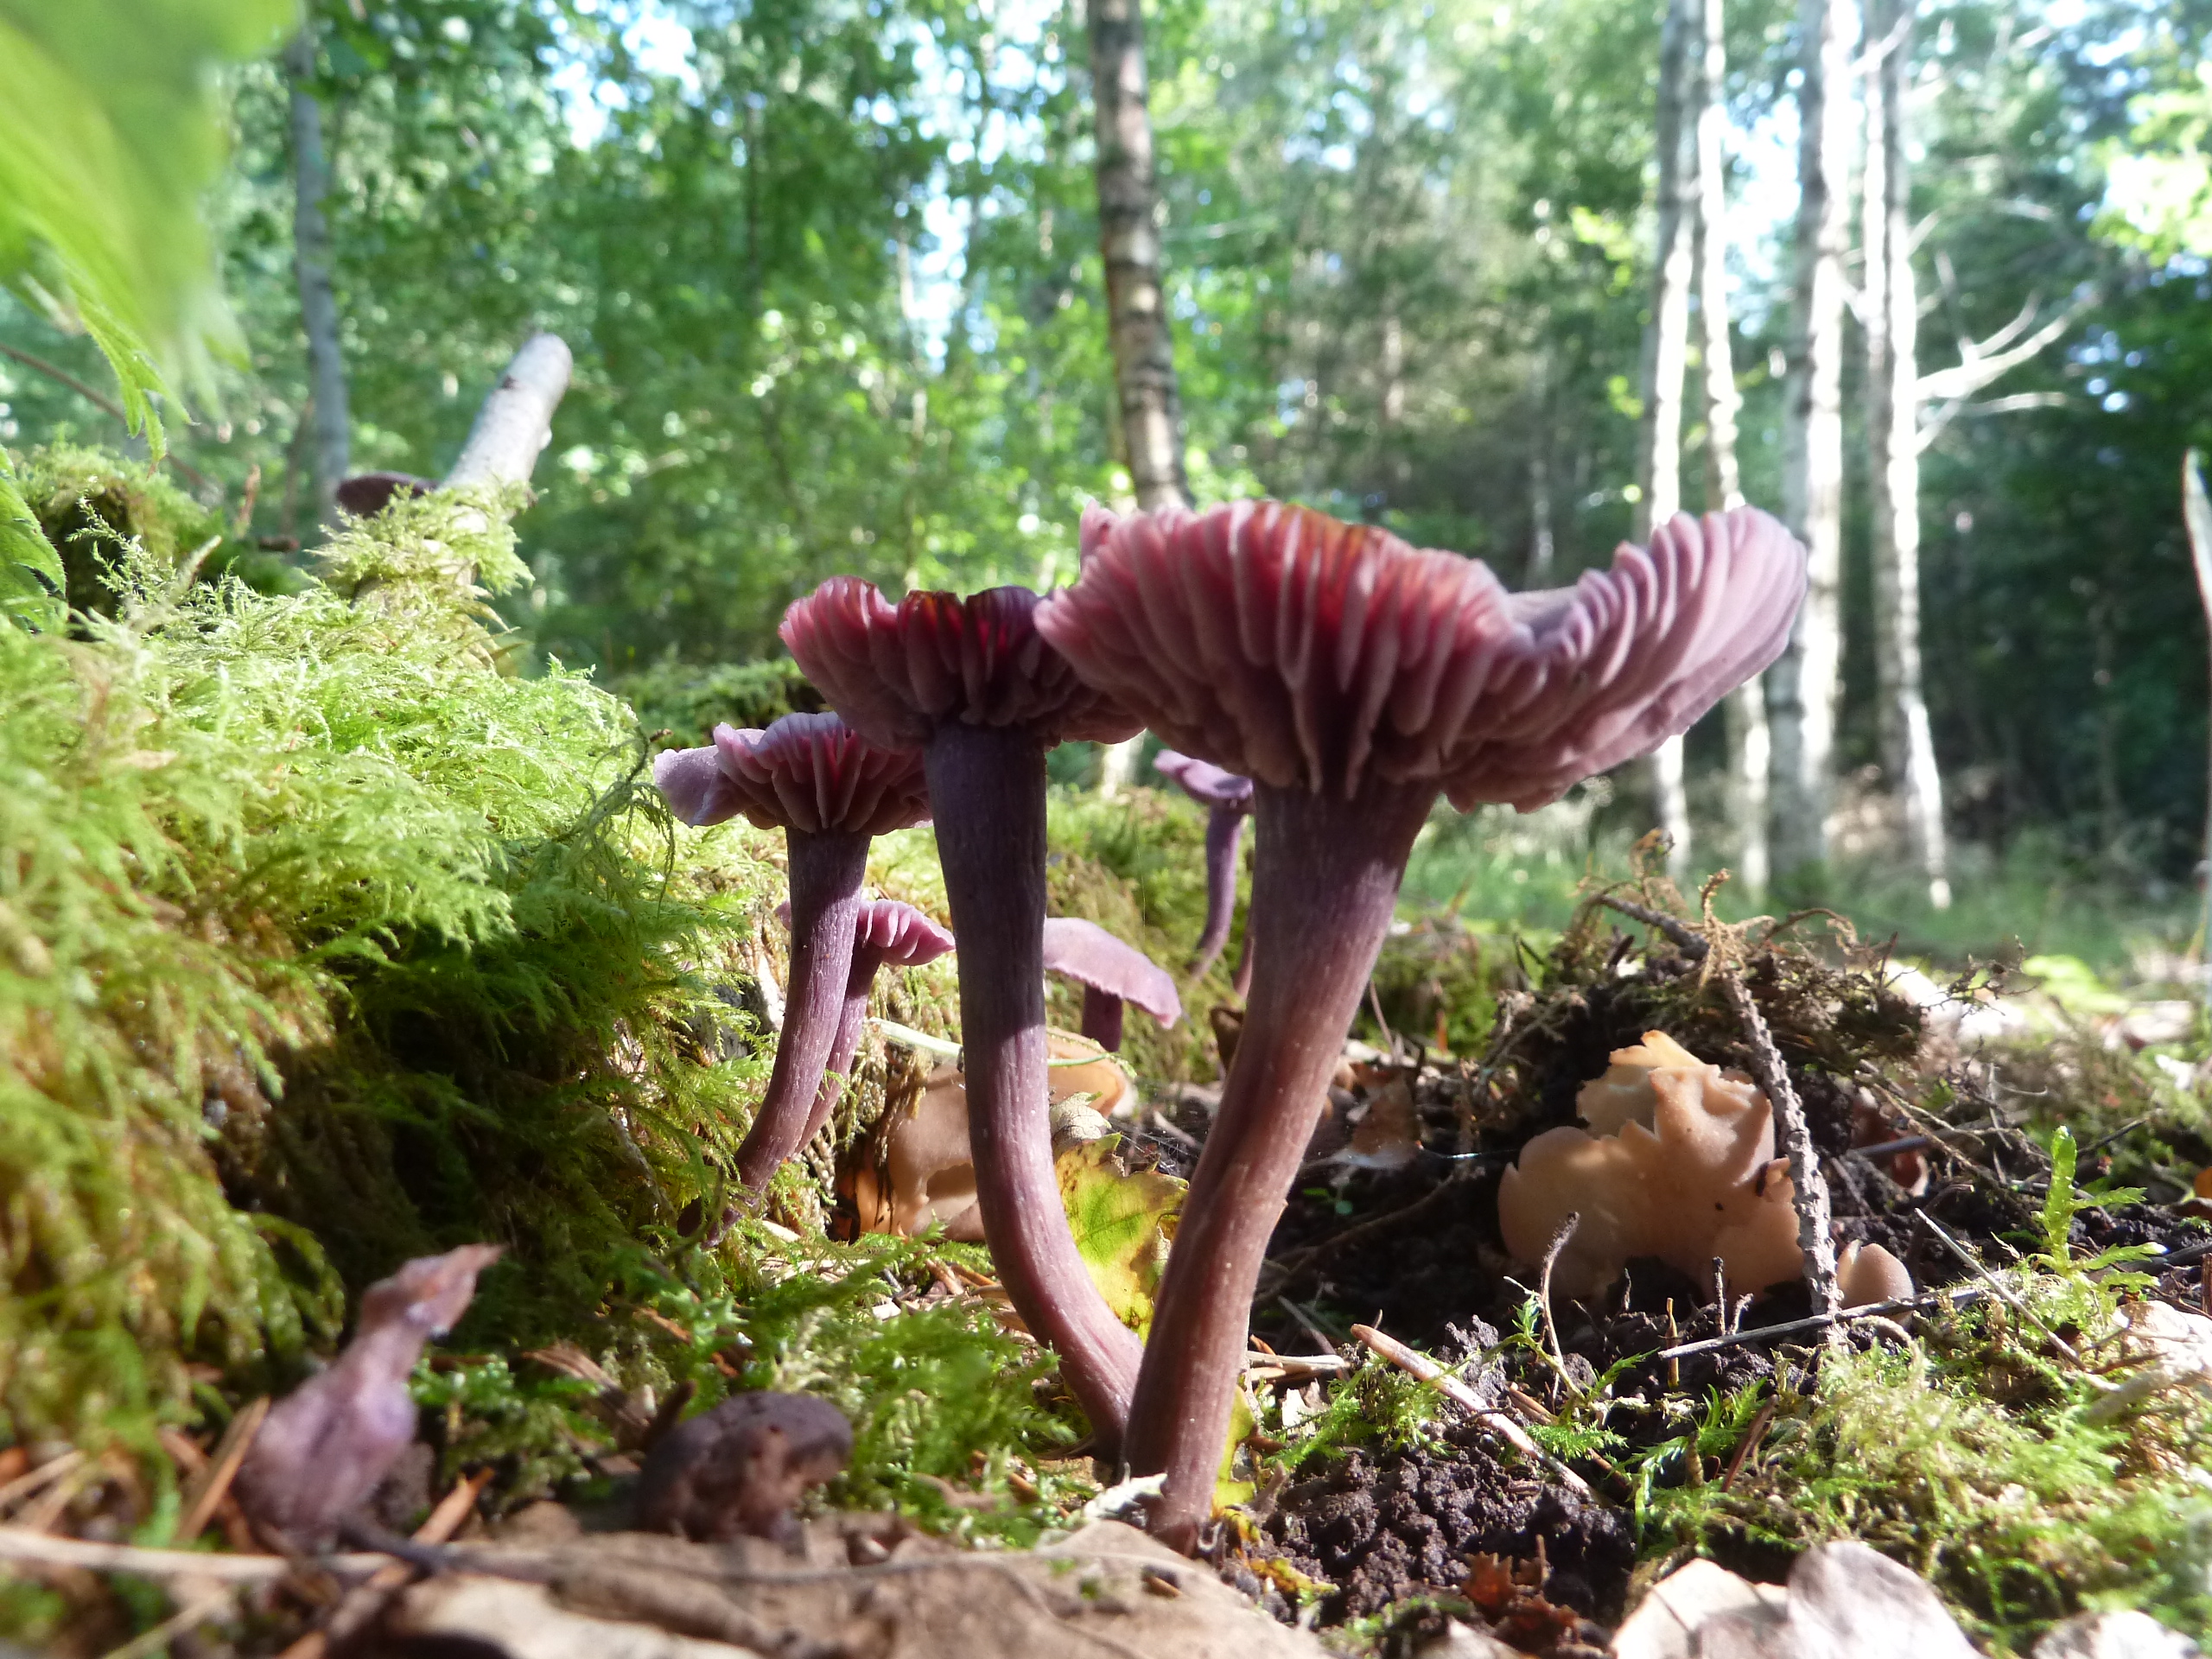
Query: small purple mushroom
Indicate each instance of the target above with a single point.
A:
(1354, 678)
(324, 1447)
(886, 933)
(1227, 798)
(1110, 973)
(831, 791)
(367, 495)
(969, 681)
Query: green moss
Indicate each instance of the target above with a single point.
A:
(1973, 1459)
(687, 701)
(330, 944)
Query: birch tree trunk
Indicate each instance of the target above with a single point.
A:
(1801, 686)
(1137, 311)
(1660, 440)
(311, 259)
(1892, 313)
(1744, 711)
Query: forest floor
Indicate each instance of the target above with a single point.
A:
(334, 943)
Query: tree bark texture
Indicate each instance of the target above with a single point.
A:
(1667, 359)
(1801, 686)
(1128, 236)
(311, 258)
(1892, 312)
(1744, 711)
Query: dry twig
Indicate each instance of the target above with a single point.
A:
(1416, 1363)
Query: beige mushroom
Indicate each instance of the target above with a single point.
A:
(1867, 1273)
(921, 1173)
(1678, 1163)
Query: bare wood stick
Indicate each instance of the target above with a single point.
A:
(191, 1616)
(1814, 1234)
(361, 1603)
(516, 422)
(1951, 1298)
(212, 1483)
(41, 1549)
(1996, 1285)
(1416, 1363)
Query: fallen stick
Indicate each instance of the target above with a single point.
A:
(43, 1549)
(1955, 1296)
(1418, 1365)
(213, 1484)
(361, 1603)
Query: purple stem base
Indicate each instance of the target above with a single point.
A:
(1324, 883)
(1102, 1018)
(826, 872)
(987, 789)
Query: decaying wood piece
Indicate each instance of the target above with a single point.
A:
(516, 423)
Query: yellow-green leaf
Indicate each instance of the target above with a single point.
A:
(1123, 1222)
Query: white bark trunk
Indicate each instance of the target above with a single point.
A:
(1136, 309)
(516, 423)
(1744, 708)
(1892, 311)
(1128, 234)
(311, 258)
(1660, 496)
(1802, 687)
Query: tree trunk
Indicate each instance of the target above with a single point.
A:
(1801, 686)
(318, 298)
(1893, 433)
(1129, 235)
(1136, 310)
(1745, 709)
(1667, 356)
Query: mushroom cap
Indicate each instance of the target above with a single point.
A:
(430, 1293)
(367, 495)
(808, 772)
(898, 671)
(1203, 782)
(902, 935)
(1084, 951)
(1307, 653)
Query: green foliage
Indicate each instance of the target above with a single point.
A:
(1378, 1405)
(108, 135)
(305, 899)
(688, 701)
(31, 577)
(1972, 1460)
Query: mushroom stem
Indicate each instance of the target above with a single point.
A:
(987, 787)
(852, 1020)
(826, 871)
(1224, 830)
(1102, 1018)
(1324, 883)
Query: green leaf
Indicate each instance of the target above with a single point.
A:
(2059, 1205)
(31, 577)
(108, 137)
(1122, 1223)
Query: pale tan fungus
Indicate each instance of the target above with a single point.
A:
(1678, 1163)
(1867, 1273)
(920, 1172)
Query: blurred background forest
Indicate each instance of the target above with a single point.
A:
(832, 274)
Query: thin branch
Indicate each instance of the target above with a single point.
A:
(107, 406)
(1418, 1365)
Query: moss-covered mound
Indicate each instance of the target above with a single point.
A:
(329, 943)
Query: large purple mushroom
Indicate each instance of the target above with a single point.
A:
(830, 791)
(970, 683)
(1227, 798)
(1354, 678)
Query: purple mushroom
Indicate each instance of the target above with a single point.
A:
(830, 791)
(971, 683)
(1110, 973)
(1353, 678)
(886, 933)
(1227, 798)
(324, 1447)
